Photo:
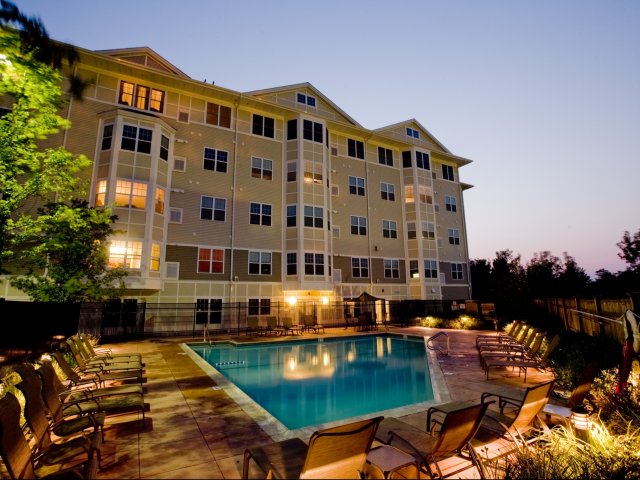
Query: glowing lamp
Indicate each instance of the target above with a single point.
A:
(580, 421)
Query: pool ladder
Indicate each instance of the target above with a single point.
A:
(438, 348)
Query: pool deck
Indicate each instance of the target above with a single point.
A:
(198, 426)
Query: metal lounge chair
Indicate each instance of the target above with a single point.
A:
(85, 342)
(522, 425)
(338, 452)
(289, 327)
(576, 398)
(105, 368)
(95, 376)
(78, 350)
(310, 324)
(253, 325)
(457, 429)
(272, 325)
(538, 361)
(515, 351)
(18, 458)
(500, 335)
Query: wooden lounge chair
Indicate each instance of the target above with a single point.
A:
(518, 419)
(538, 361)
(21, 462)
(460, 424)
(338, 452)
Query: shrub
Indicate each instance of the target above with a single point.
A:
(461, 322)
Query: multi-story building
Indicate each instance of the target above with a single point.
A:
(262, 196)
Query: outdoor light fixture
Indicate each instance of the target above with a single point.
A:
(580, 421)
(291, 301)
(325, 300)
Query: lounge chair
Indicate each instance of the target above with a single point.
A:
(104, 368)
(104, 352)
(289, 327)
(500, 335)
(310, 324)
(515, 351)
(253, 325)
(539, 362)
(338, 452)
(523, 423)
(79, 351)
(18, 458)
(460, 424)
(80, 446)
(272, 326)
(94, 376)
(576, 398)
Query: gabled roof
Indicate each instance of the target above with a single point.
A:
(413, 123)
(146, 57)
(307, 86)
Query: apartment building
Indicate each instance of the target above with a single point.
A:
(264, 196)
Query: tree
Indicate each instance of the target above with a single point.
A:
(480, 270)
(573, 281)
(543, 271)
(630, 246)
(67, 258)
(30, 175)
(507, 282)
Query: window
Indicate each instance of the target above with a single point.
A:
(430, 269)
(259, 306)
(408, 194)
(212, 208)
(139, 96)
(292, 129)
(456, 271)
(259, 263)
(292, 169)
(425, 194)
(411, 230)
(130, 194)
(101, 193)
(359, 267)
(413, 269)
(413, 133)
(450, 203)
(172, 270)
(447, 172)
(208, 310)
(313, 216)
(313, 264)
(159, 204)
(454, 236)
(179, 164)
(391, 268)
(215, 160)
(306, 99)
(260, 214)
(218, 115)
(263, 126)
(355, 148)
(387, 191)
(312, 172)
(389, 229)
(107, 137)
(406, 159)
(136, 139)
(261, 168)
(358, 225)
(292, 215)
(210, 260)
(422, 160)
(164, 148)
(312, 131)
(125, 253)
(292, 263)
(428, 230)
(175, 215)
(356, 186)
(385, 156)
(154, 264)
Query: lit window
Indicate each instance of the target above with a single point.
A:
(125, 253)
(391, 268)
(259, 263)
(215, 160)
(261, 168)
(210, 260)
(212, 208)
(155, 257)
(159, 205)
(312, 172)
(359, 267)
(408, 194)
(145, 98)
(101, 193)
(130, 194)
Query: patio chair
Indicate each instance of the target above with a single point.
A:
(289, 327)
(500, 335)
(103, 368)
(78, 446)
(310, 324)
(106, 353)
(337, 452)
(96, 376)
(21, 462)
(539, 362)
(272, 325)
(516, 351)
(79, 351)
(576, 398)
(523, 424)
(457, 429)
(253, 325)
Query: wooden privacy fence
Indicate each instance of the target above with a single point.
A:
(594, 316)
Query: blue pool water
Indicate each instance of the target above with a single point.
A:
(304, 383)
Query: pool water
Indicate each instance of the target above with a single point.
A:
(303, 383)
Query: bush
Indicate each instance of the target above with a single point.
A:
(619, 411)
(461, 322)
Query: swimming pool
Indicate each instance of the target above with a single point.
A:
(312, 382)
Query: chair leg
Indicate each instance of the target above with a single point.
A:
(245, 464)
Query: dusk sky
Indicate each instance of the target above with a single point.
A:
(543, 96)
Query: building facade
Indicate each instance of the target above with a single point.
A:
(262, 196)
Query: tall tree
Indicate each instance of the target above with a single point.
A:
(543, 271)
(630, 250)
(480, 270)
(573, 281)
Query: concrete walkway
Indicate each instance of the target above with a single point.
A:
(194, 429)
